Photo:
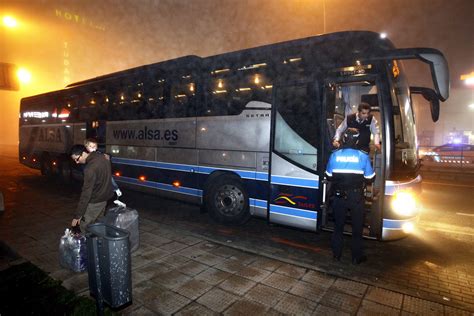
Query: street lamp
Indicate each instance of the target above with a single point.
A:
(9, 21)
(23, 75)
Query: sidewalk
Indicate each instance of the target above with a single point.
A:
(175, 272)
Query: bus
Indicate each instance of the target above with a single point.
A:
(248, 133)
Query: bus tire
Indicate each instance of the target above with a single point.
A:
(227, 201)
(46, 166)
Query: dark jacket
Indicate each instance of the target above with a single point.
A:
(97, 185)
(364, 130)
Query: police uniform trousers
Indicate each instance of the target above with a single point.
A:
(354, 202)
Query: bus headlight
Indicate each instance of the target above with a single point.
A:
(408, 228)
(404, 203)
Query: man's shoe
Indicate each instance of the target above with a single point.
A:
(359, 260)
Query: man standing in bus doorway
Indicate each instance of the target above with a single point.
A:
(365, 123)
(97, 188)
(348, 168)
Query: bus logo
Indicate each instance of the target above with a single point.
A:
(286, 199)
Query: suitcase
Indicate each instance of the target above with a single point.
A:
(73, 251)
(125, 218)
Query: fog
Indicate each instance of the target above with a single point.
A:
(61, 42)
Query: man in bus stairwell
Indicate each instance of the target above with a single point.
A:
(348, 169)
(97, 188)
(365, 123)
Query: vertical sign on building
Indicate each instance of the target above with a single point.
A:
(66, 72)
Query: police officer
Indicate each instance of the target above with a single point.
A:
(365, 123)
(348, 168)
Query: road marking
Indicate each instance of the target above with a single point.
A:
(464, 214)
(450, 184)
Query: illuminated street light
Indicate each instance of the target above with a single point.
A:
(24, 75)
(471, 106)
(383, 35)
(9, 21)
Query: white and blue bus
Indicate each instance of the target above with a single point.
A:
(248, 132)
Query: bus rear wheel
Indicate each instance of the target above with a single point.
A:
(227, 201)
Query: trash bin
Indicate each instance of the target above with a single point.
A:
(109, 265)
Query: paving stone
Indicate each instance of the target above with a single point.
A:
(326, 310)
(209, 259)
(308, 290)
(175, 260)
(231, 266)
(167, 302)
(196, 309)
(243, 258)
(206, 246)
(173, 247)
(372, 308)
(153, 240)
(350, 287)
(295, 305)
(137, 311)
(77, 283)
(193, 289)
(155, 254)
(213, 276)
(291, 270)
(319, 278)
(139, 261)
(341, 301)
(146, 291)
(279, 281)
(254, 274)
(149, 271)
(188, 240)
(192, 268)
(217, 300)
(171, 279)
(191, 252)
(265, 295)
(448, 310)
(266, 264)
(245, 308)
(419, 306)
(386, 297)
(237, 285)
(224, 251)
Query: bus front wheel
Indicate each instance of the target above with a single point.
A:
(227, 201)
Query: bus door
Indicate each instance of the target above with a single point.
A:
(294, 181)
(341, 98)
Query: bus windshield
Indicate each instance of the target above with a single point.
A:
(405, 163)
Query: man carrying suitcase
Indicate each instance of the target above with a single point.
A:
(97, 188)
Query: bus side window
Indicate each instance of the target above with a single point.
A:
(155, 99)
(182, 98)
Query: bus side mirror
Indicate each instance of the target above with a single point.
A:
(430, 96)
